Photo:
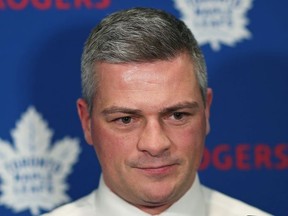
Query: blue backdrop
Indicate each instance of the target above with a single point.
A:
(44, 160)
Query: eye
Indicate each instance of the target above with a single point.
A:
(124, 120)
(178, 115)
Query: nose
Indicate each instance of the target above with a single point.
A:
(154, 139)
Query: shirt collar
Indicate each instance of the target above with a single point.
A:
(192, 203)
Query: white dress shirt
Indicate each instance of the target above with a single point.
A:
(198, 201)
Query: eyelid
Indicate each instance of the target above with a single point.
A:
(182, 113)
(120, 120)
(117, 118)
(186, 112)
(114, 117)
(110, 115)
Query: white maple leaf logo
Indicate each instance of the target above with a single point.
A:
(33, 173)
(216, 21)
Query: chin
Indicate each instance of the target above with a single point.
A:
(159, 195)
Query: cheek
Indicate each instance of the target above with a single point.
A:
(189, 142)
(191, 136)
(112, 148)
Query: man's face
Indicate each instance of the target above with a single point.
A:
(148, 127)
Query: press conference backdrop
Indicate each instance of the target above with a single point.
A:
(44, 160)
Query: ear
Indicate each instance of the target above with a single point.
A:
(85, 119)
(209, 97)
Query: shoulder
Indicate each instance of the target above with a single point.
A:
(221, 204)
(80, 207)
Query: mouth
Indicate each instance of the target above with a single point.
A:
(161, 170)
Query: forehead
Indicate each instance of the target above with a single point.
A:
(157, 72)
(148, 86)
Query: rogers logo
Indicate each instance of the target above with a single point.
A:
(246, 157)
(58, 4)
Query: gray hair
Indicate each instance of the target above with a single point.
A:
(138, 35)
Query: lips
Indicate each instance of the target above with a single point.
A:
(155, 167)
(158, 170)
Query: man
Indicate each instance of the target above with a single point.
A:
(145, 110)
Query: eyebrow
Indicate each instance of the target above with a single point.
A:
(116, 109)
(178, 106)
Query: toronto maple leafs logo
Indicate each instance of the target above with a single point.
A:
(33, 172)
(216, 21)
